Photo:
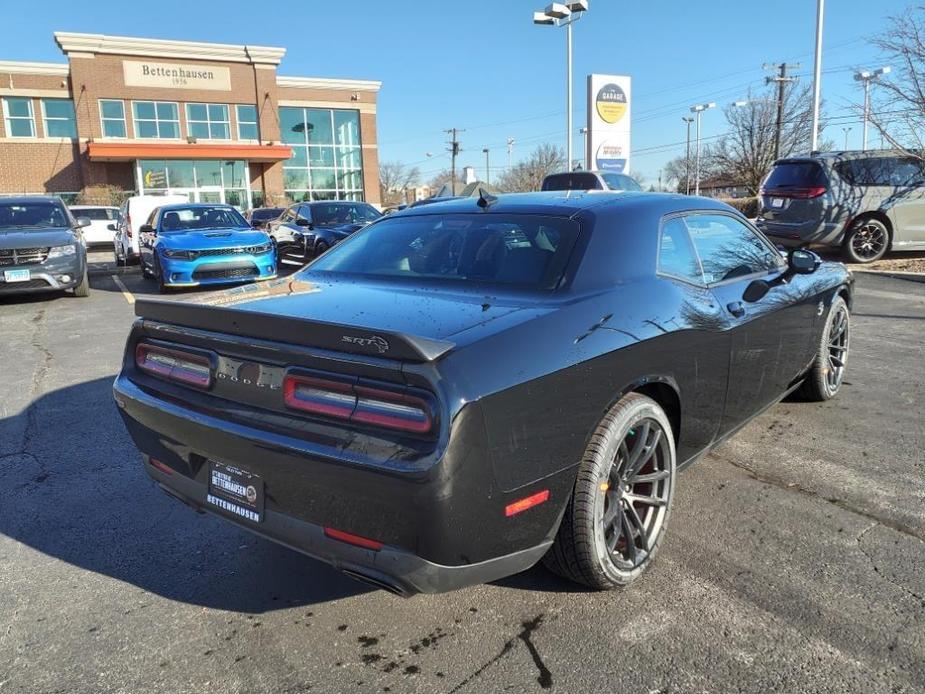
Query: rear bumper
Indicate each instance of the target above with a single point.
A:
(812, 233)
(410, 511)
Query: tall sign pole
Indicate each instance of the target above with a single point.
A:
(817, 72)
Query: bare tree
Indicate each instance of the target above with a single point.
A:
(746, 152)
(529, 174)
(441, 179)
(394, 177)
(902, 104)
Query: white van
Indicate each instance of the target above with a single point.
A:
(103, 220)
(135, 212)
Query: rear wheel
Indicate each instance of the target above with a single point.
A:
(614, 523)
(866, 241)
(828, 370)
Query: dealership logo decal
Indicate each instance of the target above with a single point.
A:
(611, 103)
(374, 341)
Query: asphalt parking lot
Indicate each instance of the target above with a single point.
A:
(795, 560)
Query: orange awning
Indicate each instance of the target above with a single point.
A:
(129, 151)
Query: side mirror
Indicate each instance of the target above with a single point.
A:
(111, 227)
(83, 222)
(146, 229)
(302, 222)
(756, 291)
(803, 262)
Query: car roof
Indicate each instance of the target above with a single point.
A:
(330, 202)
(196, 205)
(568, 203)
(93, 207)
(841, 155)
(22, 199)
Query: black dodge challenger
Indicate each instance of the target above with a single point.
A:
(462, 389)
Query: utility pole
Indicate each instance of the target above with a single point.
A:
(454, 150)
(485, 151)
(687, 157)
(510, 151)
(781, 79)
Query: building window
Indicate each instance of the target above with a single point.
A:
(247, 122)
(59, 117)
(17, 114)
(112, 114)
(156, 120)
(327, 161)
(208, 121)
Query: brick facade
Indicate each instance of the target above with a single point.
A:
(94, 71)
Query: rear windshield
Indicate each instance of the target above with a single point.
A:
(617, 181)
(796, 174)
(97, 213)
(575, 180)
(178, 219)
(523, 250)
(32, 214)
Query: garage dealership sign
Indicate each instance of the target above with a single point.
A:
(154, 73)
(608, 141)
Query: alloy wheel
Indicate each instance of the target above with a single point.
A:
(837, 348)
(636, 494)
(869, 241)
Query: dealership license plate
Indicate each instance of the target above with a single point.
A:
(236, 491)
(16, 276)
(777, 202)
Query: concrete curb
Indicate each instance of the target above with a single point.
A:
(895, 274)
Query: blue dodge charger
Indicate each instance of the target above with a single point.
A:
(198, 244)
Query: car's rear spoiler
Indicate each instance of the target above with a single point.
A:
(297, 331)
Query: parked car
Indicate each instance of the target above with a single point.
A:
(195, 244)
(260, 216)
(460, 390)
(41, 246)
(308, 229)
(103, 219)
(133, 213)
(861, 203)
(590, 180)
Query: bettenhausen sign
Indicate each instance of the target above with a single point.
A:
(175, 75)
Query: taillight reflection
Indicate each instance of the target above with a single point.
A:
(174, 365)
(357, 403)
(796, 193)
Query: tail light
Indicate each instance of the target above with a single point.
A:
(128, 225)
(397, 410)
(189, 368)
(796, 193)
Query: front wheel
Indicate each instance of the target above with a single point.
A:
(828, 370)
(159, 276)
(617, 515)
(866, 241)
(82, 290)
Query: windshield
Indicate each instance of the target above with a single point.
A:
(176, 219)
(617, 181)
(41, 215)
(523, 250)
(267, 213)
(325, 215)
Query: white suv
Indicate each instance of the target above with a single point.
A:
(135, 212)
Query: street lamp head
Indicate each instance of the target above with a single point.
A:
(886, 70)
(697, 108)
(557, 10)
(863, 75)
(578, 5)
(542, 18)
(739, 104)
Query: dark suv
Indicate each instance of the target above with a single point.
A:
(863, 203)
(41, 246)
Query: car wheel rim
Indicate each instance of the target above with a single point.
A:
(837, 349)
(869, 241)
(636, 495)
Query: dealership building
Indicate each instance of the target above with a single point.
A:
(214, 121)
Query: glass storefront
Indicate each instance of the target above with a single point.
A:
(327, 159)
(203, 180)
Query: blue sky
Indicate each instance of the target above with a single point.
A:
(485, 67)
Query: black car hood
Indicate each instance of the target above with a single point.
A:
(35, 238)
(342, 230)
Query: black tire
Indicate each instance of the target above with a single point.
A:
(320, 248)
(145, 272)
(82, 290)
(159, 276)
(828, 370)
(867, 240)
(581, 549)
(120, 262)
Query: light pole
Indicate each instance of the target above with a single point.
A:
(868, 76)
(846, 131)
(564, 14)
(485, 151)
(510, 151)
(584, 147)
(698, 109)
(687, 157)
(817, 73)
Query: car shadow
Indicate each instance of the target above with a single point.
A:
(74, 489)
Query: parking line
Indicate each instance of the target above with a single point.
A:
(129, 297)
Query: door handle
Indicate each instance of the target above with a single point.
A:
(736, 308)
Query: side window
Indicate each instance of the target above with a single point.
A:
(676, 255)
(305, 212)
(729, 249)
